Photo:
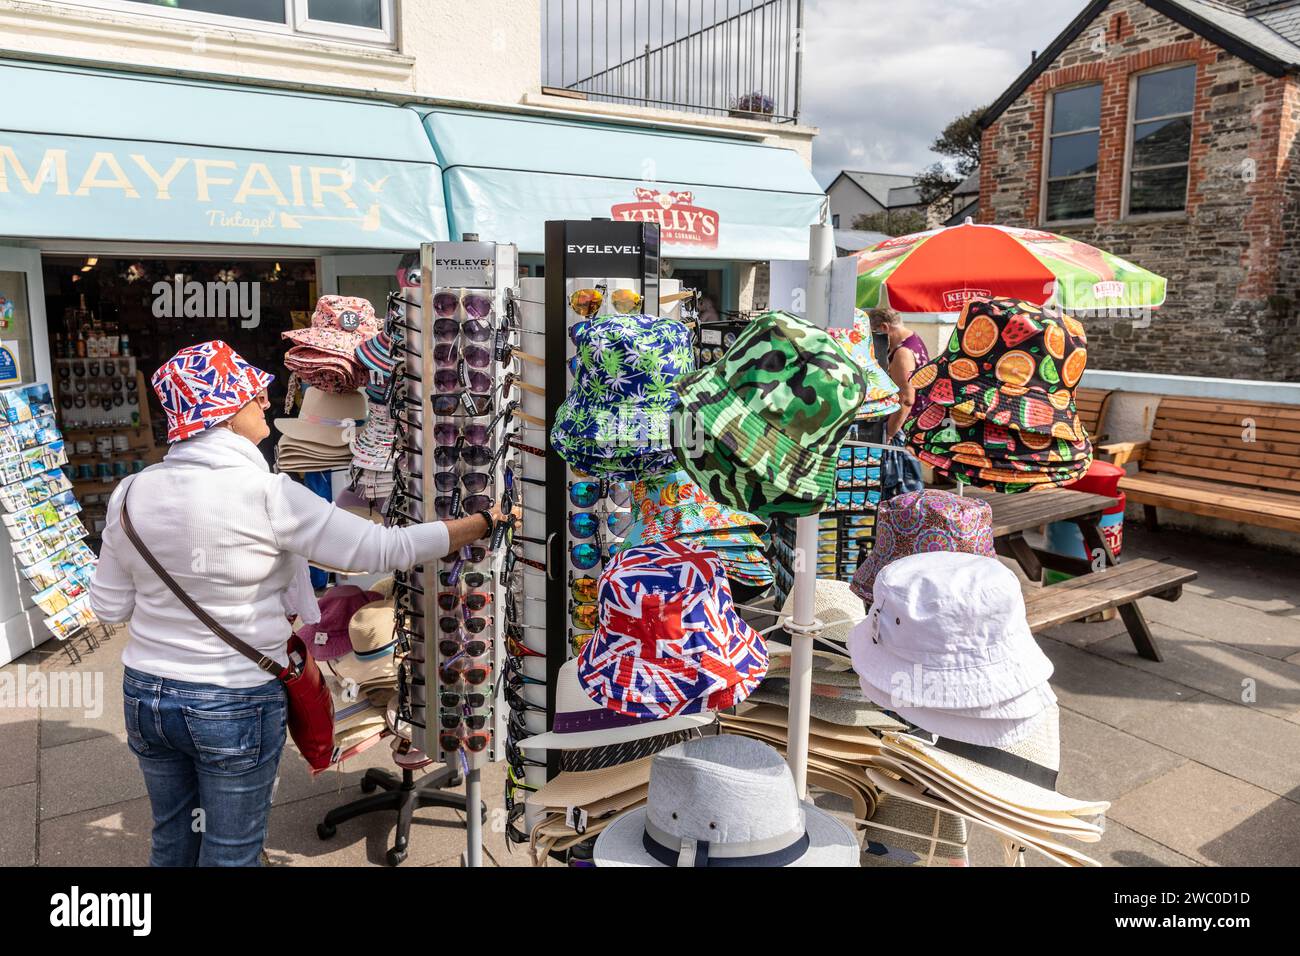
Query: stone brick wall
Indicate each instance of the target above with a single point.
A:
(1231, 259)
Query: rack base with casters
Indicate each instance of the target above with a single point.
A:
(403, 795)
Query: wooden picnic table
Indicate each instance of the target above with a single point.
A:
(1013, 515)
(1099, 583)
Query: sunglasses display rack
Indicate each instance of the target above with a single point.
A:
(43, 527)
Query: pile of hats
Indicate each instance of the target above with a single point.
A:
(324, 355)
(320, 438)
(604, 764)
(761, 428)
(373, 454)
(860, 344)
(672, 506)
(614, 422)
(668, 639)
(999, 406)
(724, 801)
(985, 696)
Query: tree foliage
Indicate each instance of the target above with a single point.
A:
(959, 144)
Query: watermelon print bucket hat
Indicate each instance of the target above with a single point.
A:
(669, 640)
(761, 428)
(1011, 363)
(972, 441)
(614, 422)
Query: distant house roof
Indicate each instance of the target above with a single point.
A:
(875, 185)
(970, 186)
(1267, 37)
(904, 196)
(855, 240)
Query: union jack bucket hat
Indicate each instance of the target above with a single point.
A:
(669, 640)
(203, 385)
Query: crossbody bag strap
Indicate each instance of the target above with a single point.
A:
(261, 660)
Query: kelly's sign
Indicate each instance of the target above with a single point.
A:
(681, 222)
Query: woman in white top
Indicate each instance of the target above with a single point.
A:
(207, 726)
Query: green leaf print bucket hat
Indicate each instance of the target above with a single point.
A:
(614, 422)
(760, 429)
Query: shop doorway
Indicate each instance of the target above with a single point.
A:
(136, 307)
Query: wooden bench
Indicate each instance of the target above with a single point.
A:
(1239, 461)
(1119, 586)
(1092, 403)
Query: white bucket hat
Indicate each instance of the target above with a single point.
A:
(1006, 724)
(580, 722)
(948, 631)
(724, 801)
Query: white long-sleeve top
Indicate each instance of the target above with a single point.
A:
(234, 536)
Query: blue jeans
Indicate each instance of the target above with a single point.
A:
(209, 756)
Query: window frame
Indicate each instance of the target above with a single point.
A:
(1130, 140)
(1049, 111)
(296, 22)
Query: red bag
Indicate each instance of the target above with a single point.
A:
(310, 706)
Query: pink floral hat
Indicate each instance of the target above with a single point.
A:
(339, 324)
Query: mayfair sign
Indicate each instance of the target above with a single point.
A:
(186, 193)
(681, 222)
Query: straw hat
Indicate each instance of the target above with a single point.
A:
(580, 788)
(724, 801)
(835, 605)
(844, 711)
(580, 722)
(1040, 841)
(904, 833)
(326, 418)
(1022, 775)
(771, 723)
(373, 627)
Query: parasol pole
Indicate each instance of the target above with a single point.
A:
(804, 627)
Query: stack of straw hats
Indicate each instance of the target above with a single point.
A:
(320, 437)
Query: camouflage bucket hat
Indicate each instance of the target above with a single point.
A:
(1012, 363)
(614, 422)
(760, 429)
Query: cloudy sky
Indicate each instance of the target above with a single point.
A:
(883, 77)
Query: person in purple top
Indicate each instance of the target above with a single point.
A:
(907, 353)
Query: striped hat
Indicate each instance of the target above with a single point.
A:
(203, 385)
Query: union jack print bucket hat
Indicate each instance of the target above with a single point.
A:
(669, 640)
(203, 385)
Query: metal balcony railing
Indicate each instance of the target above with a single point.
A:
(737, 57)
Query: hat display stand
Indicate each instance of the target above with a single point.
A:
(600, 255)
(42, 525)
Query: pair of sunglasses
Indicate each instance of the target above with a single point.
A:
(476, 356)
(584, 524)
(465, 670)
(472, 625)
(475, 741)
(449, 506)
(587, 494)
(450, 380)
(450, 720)
(587, 302)
(470, 647)
(475, 601)
(471, 699)
(475, 304)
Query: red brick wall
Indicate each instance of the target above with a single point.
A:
(1231, 258)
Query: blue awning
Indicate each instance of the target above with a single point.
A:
(89, 154)
(504, 175)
